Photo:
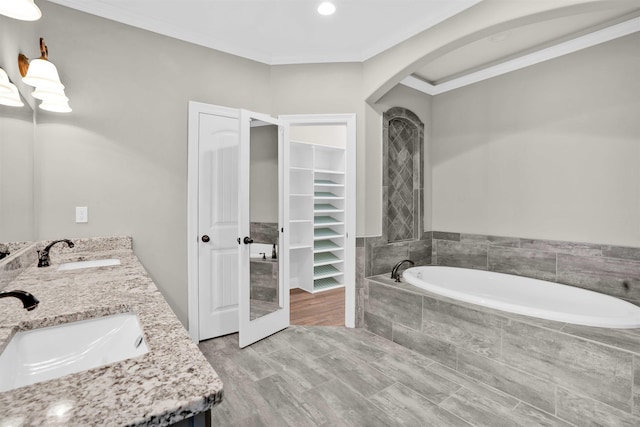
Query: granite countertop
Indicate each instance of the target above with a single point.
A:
(171, 382)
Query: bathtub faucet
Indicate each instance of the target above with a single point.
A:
(395, 274)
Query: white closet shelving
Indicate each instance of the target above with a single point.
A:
(317, 219)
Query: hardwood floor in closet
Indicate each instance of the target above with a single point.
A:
(321, 309)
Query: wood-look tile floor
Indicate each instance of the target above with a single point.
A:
(334, 376)
(320, 309)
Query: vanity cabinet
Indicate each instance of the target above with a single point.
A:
(317, 220)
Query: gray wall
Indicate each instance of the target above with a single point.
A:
(123, 150)
(263, 182)
(16, 138)
(16, 174)
(547, 152)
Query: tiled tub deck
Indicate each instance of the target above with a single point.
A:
(582, 375)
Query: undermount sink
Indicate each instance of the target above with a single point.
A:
(52, 352)
(88, 264)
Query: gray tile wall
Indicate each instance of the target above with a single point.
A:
(400, 151)
(403, 201)
(582, 375)
(263, 279)
(264, 232)
(402, 171)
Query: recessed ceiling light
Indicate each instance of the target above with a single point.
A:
(326, 8)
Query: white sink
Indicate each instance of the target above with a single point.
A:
(88, 264)
(46, 353)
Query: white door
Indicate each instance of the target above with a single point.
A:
(218, 151)
(264, 297)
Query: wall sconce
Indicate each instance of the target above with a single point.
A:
(43, 75)
(8, 91)
(24, 10)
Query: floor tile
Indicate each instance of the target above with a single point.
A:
(343, 402)
(338, 377)
(352, 371)
(409, 408)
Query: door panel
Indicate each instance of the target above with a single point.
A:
(218, 219)
(264, 298)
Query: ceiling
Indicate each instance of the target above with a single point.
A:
(281, 31)
(292, 32)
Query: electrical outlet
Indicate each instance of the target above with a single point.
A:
(82, 214)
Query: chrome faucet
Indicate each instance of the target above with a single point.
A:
(28, 301)
(395, 274)
(43, 255)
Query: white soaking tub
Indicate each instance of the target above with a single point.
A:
(526, 296)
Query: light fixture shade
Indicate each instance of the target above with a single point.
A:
(11, 99)
(56, 106)
(42, 73)
(50, 94)
(24, 10)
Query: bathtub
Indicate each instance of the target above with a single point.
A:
(526, 296)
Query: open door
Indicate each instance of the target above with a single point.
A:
(263, 305)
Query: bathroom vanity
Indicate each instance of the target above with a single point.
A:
(170, 383)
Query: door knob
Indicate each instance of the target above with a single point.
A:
(205, 238)
(247, 240)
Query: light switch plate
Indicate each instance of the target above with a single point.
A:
(82, 214)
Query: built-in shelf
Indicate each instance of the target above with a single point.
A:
(326, 284)
(326, 183)
(323, 221)
(294, 247)
(324, 258)
(326, 195)
(325, 208)
(325, 233)
(329, 171)
(326, 270)
(325, 246)
(323, 267)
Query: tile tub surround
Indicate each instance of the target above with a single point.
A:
(612, 270)
(263, 279)
(381, 256)
(579, 375)
(170, 383)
